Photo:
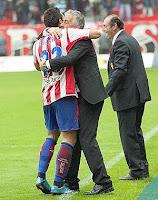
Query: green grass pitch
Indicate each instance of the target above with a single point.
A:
(22, 133)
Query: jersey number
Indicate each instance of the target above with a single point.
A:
(56, 52)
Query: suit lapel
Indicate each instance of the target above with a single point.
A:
(110, 62)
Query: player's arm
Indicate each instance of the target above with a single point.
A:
(76, 53)
(94, 33)
(84, 34)
(37, 66)
(57, 32)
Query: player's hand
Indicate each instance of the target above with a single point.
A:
(55, 31)
(42, 64)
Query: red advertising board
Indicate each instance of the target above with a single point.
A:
(146, 33)
(18, 40)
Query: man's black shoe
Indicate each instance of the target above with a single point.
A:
(74, 187)
(73, 184)
(129, 177)
(99, 189)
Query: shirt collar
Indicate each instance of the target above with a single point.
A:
(115, 36)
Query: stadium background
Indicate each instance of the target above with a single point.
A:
(21, 119)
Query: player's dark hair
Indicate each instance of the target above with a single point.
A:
(52, 16)
(116, 20)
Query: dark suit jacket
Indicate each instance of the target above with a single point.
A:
(128, 83)
(87, 74)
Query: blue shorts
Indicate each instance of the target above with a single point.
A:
(62, 114)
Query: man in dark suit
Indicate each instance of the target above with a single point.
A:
(129, 90)
(91, 98)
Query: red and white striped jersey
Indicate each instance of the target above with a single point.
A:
(56, 85)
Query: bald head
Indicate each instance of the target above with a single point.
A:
(114, 19)
(109, 17)
(112, 24)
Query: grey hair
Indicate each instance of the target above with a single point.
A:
(78, 17)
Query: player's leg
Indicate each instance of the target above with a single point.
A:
(72, 176)
(47, 149)
(46, 153)
(67, 112)
(64, 157)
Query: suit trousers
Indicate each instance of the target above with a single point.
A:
(88, 118)
(132, 140)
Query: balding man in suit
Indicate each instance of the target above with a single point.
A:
(129, 90)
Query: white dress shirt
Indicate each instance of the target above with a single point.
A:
(115, 36)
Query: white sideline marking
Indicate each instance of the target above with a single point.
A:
(110, 163)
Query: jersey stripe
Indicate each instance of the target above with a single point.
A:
(57, 85)
(70, 80)
(48, 97)
(57, 90)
